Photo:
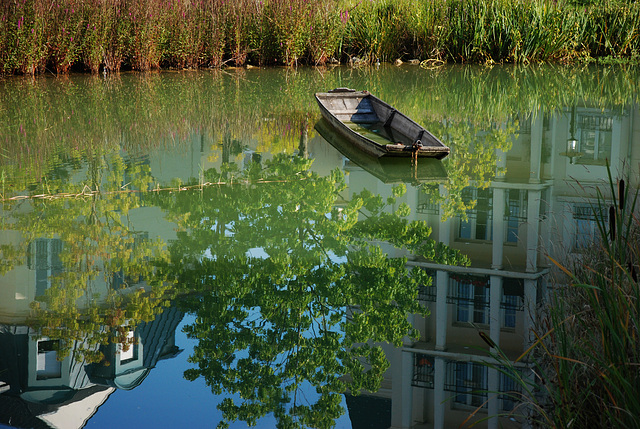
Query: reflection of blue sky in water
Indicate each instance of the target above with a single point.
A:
(166, 400)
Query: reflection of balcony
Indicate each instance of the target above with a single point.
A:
(422, 371)
(467, 382)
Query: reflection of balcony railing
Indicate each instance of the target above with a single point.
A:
(428, 208)
(588, 212)
(512, 302)
(467, 289)
(469, 381)
(426, 205)
(483, 202)
(427, 293)
(510, 389)
(422, 371)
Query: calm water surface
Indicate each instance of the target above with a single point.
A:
(183, 249)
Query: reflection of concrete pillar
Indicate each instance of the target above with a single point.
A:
(444, 228)
(498, 227)
(402, 391)
(493, 385)
(407, 341)
(530, 299)
(442, 286)
(533, 229)
(537, 125)
(495, 295)
(439, 377)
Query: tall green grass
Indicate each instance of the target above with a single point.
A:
(60, 35)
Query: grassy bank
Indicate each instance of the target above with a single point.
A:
(94, 35)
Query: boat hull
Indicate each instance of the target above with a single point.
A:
(375, 127)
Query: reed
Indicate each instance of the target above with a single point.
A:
(60, 35)
(586, 356)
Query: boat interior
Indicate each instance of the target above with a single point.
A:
(370, 119)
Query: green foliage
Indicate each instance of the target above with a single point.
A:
(460, 105)
(289, 290)
(473, 163)
(99, 249)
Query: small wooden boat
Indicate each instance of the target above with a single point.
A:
(375, 127)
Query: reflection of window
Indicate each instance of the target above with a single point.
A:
(586, 226)
(470, 294)
(426, 204)
(478, 225)
(44, 258)
(510, 304)
(428, 293)
(422, 371)
(128, 351)
(516, 212)
(594, 134)
(511, 390)
(47, 365)
(512, 300)
(472, 299)
(470, 383)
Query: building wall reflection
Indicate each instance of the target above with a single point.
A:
(42, 391)
(538, 204)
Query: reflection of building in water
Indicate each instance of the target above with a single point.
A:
(531, 207)
(41, 391)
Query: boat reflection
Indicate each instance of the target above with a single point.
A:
(388, 170)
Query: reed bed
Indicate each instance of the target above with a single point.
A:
(109, 35)
(594, 359)
(586, 359)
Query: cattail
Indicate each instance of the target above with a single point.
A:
(621, 193)
(632, 269)
(487, 339)
(612, 223)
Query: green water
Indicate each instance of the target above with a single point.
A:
(193, 249)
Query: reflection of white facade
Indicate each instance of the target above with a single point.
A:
(66, 393)
(534, 208)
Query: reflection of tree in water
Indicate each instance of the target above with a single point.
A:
(103, 280)
(472, 162)
(289, 290)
